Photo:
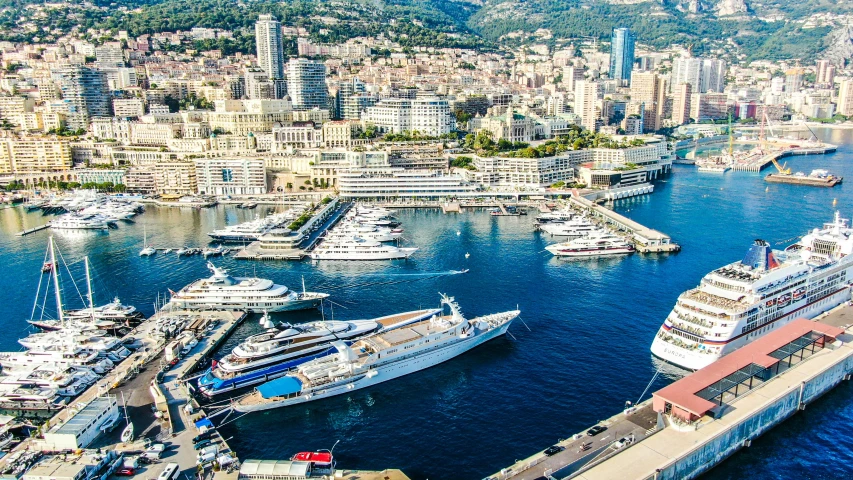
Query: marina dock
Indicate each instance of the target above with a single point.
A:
(305, 239)
(33, 230)
(757, 163)
(646, 239)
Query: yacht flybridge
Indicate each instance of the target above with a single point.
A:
(221, 291)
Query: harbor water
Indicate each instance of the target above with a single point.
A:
(578, 352)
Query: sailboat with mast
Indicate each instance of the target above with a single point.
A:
(112, 316)
(147, 250)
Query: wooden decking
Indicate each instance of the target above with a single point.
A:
(390, 321)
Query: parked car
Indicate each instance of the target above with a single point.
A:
(596, 430)
(553, 450)
(126, 472)
(202, 436)
(202, 444)
(624, 441)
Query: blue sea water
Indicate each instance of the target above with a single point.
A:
(585, 353)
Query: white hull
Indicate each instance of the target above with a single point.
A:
(386, 372)
(594, 253)
(251, 305)
(391, 255)
(694, 359)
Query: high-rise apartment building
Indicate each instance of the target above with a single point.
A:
(650, 89)
(306, 81)
(681, 103)
(621, 54)
(269, 46)
(85, 93)
(586, 101)
(794, 80)
(845, 98)
(703, 74)
(825, 74)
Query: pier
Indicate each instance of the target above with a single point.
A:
(646, 239)
(33, 230)
(757, 163)
(296, 245)
(707, 416)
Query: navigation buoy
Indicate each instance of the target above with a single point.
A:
(467, 254)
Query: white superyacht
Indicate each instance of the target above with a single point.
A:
(740, 302)
(224, 292)
(280, 348)
(378, 358)
(357, 248)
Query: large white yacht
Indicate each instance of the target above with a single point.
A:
(597, 244)
(254, 229)
(357, 248)
(222, 291)
(282, 347)
(378, 358)
(740, 302)
(575, 228)
(73, 221)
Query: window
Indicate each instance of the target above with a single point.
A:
(227, 175)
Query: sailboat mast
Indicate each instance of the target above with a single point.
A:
(89, 286)
(57, 291)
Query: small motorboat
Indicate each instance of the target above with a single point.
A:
(47, 267)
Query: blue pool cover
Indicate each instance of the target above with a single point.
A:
(280, 387)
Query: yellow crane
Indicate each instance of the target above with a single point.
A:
(783, 169)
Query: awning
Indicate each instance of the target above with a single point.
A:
(280, 387)
(204, 422)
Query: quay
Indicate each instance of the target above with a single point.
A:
(646, 239)
(757, 163)
(296, 245)
(33, 230)
(703, 418)
(808, 180)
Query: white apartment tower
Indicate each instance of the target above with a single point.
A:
(845, 98)
(586, 100)
(269, 47)
(306, 84)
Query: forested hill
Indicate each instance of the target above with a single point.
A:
(772, 29)
(775, 29)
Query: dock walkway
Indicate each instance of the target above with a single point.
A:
(646, 239)
(254, 250)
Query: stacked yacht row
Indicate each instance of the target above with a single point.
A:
(584, 237)
(365, 233)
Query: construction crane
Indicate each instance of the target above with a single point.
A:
(783, 169)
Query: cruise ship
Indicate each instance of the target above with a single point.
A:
(740, 302)
(224, 292)
(377, 358)
(281, 348)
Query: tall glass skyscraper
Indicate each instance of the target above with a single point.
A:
(621, 54)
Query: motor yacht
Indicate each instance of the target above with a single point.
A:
(357, 248)
(378, 358)
(224, 292)
(281, 348)
(597, 244)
